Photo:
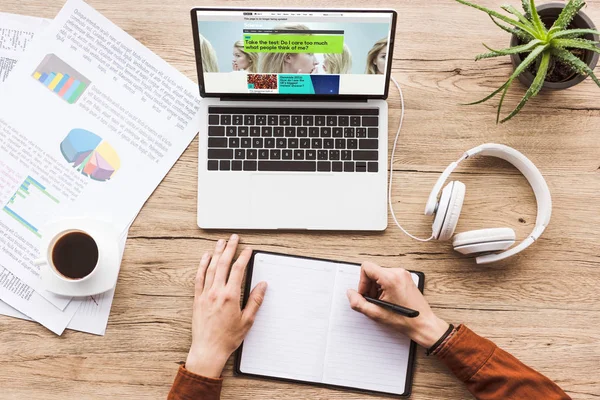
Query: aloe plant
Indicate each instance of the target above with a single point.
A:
(544, 46)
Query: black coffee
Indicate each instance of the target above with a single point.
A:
(75, 255)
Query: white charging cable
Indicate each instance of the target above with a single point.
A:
(392, 167)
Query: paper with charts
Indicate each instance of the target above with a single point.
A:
(90, 123)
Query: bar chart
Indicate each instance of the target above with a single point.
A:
(90, 154)
(31, 205)
(61, 78)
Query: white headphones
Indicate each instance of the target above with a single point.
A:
(447, 208)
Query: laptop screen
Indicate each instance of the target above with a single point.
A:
(288, 52)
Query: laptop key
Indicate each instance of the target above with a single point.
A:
(286, 154)
(366, 155)
(231, 131)
(319, 120)
(269, 143)
(288, 166)
(305, 143)
(372, 167)
(328, 143)
(348, 166)
(240, 154)
(308, 120)
(248, 119)
(355, 120)
(326, 131)
(234, 142)
(368, 144)
(334, 155)
(267, 131)
(275, 154)
(324, 166)
(213, 119)
(290, 131)
(361, 132)
(322, 154)
(278, 131)
(293, 143)
(298, 154)
(337, 132)
(261, 120)
(343, 121)
(224, 165)
(273, 119)
(370, 121)
(311, 154)
(216, 131)
(284, 120)
(331, 120)
(257, 143)
(237, 119)
(340, 143)
(236, 165)
(213, 165)
(263, 154)
(337, 166)
(302, 131)
(217, 142)
(220, 154)
(225, 119)
(281, 143)
(352, 143)
(373, 133)
(242, 131)
(251, 154)
(361, 166)
(296, 120)
(317, 143)
(250, 165)
(246, 143)
(346, 155)
(348, 132)
(313, 132)
(255, 131)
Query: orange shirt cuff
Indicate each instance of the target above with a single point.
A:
(189, 386)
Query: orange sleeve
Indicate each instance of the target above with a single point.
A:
(189, 386)
(491, 373)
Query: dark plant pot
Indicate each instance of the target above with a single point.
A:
(549, 13)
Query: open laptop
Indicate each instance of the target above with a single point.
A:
(293, 128)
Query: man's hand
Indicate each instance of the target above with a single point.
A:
(219, 325)
(395, 285)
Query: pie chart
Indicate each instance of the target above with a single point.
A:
(90, 154)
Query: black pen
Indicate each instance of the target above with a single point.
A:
(407, 312)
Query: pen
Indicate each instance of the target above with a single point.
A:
(407, 312)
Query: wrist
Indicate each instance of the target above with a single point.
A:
(206, 364)
(429, 330)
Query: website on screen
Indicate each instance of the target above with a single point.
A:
(298, 53)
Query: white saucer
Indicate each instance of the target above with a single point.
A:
(109, 262)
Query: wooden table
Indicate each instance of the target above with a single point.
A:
(543, 305)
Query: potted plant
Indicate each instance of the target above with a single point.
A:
(553, 46)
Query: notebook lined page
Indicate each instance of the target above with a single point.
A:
(361, 353)
(289, 335)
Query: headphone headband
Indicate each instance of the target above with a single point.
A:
(531, 173)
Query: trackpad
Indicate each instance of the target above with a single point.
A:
(292, 201)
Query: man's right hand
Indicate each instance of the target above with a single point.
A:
(395, 285)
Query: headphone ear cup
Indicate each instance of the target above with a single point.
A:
(484, 240)
(448, 212)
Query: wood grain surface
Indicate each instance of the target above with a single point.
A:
(543, 305)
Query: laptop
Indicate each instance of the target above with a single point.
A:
(293, 122)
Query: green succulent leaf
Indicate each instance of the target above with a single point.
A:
(501, 17)
(535, 18)
(526, 62)
(535, 87)
(511, 10)
(515, 49)
(573, 33)
(575, 63)
(526, 7)
(566, 16)
(515, 31)
(577, 44)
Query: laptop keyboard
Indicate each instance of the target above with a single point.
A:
(284, 139)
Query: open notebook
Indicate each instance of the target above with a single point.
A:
(306, 331)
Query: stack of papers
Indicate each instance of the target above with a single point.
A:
(90, 123)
